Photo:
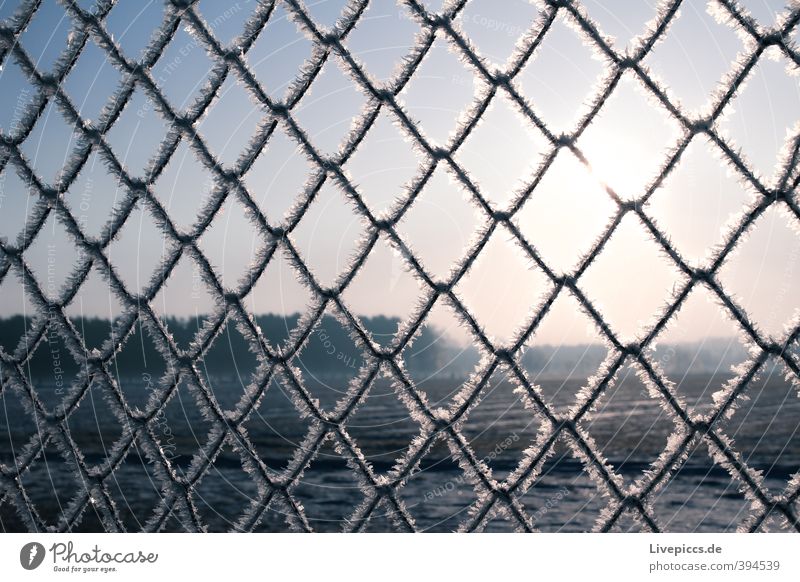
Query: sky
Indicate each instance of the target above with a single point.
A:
(626, 144)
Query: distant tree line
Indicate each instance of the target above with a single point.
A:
(329, 350)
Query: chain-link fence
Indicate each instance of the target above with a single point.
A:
(223, 428)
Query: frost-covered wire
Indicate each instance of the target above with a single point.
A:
(381, 491)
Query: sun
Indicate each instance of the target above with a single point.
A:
(620, 164)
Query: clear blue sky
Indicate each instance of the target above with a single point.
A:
(626, 144)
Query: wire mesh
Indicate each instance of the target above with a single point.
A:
(494, 498)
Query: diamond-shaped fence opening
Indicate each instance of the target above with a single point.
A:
(196, 132)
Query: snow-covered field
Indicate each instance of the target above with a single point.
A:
(628, 426)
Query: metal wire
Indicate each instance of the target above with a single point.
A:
(275, 488)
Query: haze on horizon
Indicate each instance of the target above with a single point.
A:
(626, 144)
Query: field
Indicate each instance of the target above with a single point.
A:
(628, 425)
